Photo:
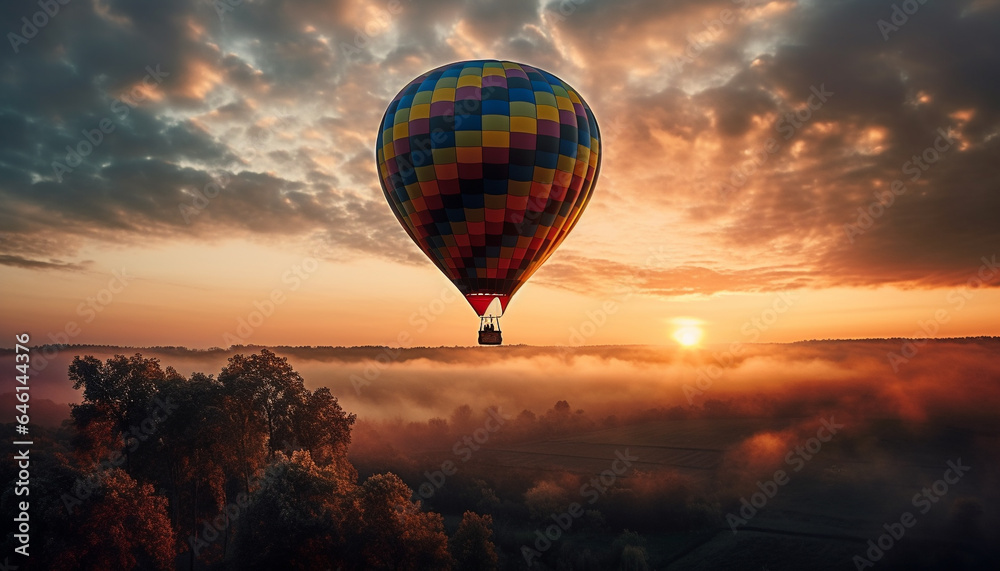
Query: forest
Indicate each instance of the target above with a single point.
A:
(248, 468)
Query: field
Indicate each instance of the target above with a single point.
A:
(813, 455)
(863, 478)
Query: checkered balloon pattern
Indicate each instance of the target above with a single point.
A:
(488, 166)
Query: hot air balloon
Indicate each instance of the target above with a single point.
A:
(488, 166)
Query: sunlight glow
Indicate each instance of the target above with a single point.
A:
(688, 336)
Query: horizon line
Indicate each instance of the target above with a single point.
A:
(214, 349)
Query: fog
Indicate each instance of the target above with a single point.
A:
(856, 428)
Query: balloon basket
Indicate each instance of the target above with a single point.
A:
(489, 331)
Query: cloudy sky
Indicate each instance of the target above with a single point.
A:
(168, 167)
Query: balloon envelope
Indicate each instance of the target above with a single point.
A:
(488, 165)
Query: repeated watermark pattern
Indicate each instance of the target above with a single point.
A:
(421, 320)
(377, 25)
(88, 309)
(787, 125)
(32, 25)
(591, 491)
(293, 279)
(884, 200)
(597, 317)
(751, 330)
(923, 501)
(463, 449)
(200, 199)
(697, 43)
(956, 299)
(796, 459)
(94, 138)
(899, 16)
(84, 487)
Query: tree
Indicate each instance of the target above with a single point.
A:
(322, 427)
(393, 532)
(123, 526)
(297, 517)
(264, 387)
(629, 549)
(472, 546)
(206, 466)
(260, 396)
(123, 387)
(633, 559)
(545, 498)
(192, 456)
(120, 391)
(461, 419)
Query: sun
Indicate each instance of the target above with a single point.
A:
(688, 336)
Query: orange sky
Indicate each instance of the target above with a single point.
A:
(361, 303)
(280, 106)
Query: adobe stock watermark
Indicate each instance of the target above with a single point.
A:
(751, 330)
(591, 491)
(596, 318)
(796, 458)
(293, 279)
(421, 154)
(915, 167)
(212, 529)
(923, 501)
(463, 449)
(223, 7)
(565, 9)
(698, 43)
(277, 121)
(88, 309)
(787, 125)
(420, 319)
(200, 199)
(93, 138)
(957, 299)
(374, 27)
(31, 27)
(84, 487)
(899, 16)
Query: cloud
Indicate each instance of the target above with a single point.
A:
(19, 262)
(889, 101)
(597, 276)
(281, 100)
(944, 378)
(568, 410)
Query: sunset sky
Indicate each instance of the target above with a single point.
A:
(715, 209)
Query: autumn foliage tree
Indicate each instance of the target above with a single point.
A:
(250, 467)
(265, 394)
(117, 394)
(193, 454)
(393, 533)
(322, 427)
(472, 545)
(296, 519)
(123, 526)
